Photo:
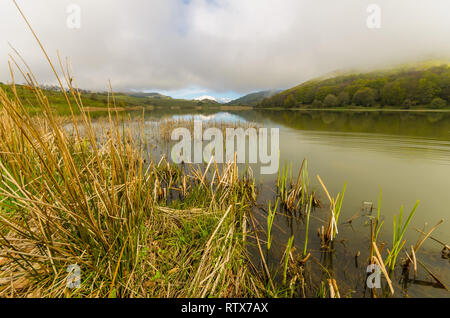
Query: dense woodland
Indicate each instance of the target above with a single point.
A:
(405, 88)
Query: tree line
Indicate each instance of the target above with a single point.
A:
(406, 88)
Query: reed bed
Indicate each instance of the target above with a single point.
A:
(66, 200)
(294, 195)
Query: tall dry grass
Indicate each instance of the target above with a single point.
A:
(135, 228)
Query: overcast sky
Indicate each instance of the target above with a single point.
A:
(223, 48)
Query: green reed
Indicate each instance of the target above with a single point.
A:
(270, 218)
(286, 258)
(399, 232)
(307, 225)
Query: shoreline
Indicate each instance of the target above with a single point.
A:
(359, 110)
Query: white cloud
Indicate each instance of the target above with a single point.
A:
(224, 100)
(205, 97)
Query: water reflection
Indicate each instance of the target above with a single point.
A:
(430, 125)
(218, 117)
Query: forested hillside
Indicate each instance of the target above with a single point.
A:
(402, 88)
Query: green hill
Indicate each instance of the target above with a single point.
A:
(253, 99)
(420, 86)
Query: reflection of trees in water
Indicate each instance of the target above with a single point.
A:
(363, 122)
(405, 116)
(435, 117)
(328, 118)
(429, 125)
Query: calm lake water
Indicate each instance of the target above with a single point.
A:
(405, 154)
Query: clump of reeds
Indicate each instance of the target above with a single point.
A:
(294, 196)
(327, 234)
(399, 232)
(387, 266)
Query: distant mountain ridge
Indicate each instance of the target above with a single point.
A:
(253, 99)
